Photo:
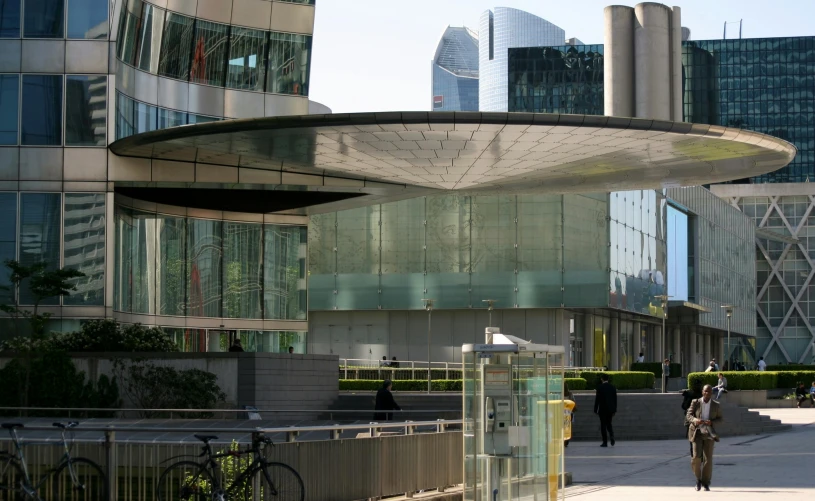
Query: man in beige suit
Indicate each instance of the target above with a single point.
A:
(701, 415)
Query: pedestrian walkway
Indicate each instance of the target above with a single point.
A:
(746, 468)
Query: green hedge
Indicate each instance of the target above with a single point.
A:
(623, 380)
(656, 369)
(576, 383)
(791, 367)
(755, 380)
(791, 378)
(421, 384)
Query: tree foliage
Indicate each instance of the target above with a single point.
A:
(100, 336)
(150, 386)
(56, 382)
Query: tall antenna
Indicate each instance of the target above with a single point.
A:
(724, 35)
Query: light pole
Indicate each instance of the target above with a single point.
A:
(490, 303)
(728, 309)
(428, 305)
(664, 300)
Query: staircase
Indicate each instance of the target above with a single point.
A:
(659, 416)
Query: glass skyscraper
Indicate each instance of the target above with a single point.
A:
(500, 30)
(455, 71)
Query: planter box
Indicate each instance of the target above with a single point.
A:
(758, 398)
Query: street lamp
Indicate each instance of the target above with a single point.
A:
(664, 300)
(728, 309)
(490, 303)
(428, 305)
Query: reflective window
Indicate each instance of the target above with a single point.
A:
(84, 248)
(209, 53)
(44, 19)
(176, 46)
(284, 272)
(170, 118)
(85, 110)
(124, 116)
(129, 31)
(149, 39)
(204, 252)
(142, 263)
(171, 265)
(88, 19)
(247, 54)
(201, 119)
(9, 98)
(42, 110)
(39, 236)
(243, 270)
(8, 236)
(146, 118)
(307, 2)
(10, 18)
(289, 60)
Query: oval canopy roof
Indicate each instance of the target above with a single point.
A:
(475, 152)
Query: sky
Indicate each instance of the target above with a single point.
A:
(375, 55)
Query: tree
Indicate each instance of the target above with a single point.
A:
(43, 283)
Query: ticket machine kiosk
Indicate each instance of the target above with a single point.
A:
(513, 411)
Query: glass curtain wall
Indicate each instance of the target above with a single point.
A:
(40, 224)
(10, 18)
(9, 108)
(526, 251)
(172, 265)
(8, 237)
(84, 247)
(181, 47)
(85, 110)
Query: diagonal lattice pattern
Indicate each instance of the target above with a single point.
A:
(785, 295)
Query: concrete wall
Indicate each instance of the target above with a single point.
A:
(276, 381)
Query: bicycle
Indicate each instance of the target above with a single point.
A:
(74, 478)
(261, 480)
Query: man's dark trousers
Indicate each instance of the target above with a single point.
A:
(605, 426)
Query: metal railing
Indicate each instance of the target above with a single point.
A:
(357, 368)
(268, 414)
(384, 454)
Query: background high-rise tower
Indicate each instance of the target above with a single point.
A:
(455, 71)
(499, 30)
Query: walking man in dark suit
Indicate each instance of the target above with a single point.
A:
(701, 415)
(605, 406)
(385, 402)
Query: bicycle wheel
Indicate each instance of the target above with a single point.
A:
(11, 480)
(187, 481)
(277, 482)
(80, 480)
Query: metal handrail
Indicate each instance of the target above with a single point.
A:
(181, 411)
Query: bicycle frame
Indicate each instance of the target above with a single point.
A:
(257, 464)
(29, 487)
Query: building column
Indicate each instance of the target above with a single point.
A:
(706, 347)
(614, 364)
(692, 350)
(636, 342)
(658, 343)
(722, 357)
(588, 340)
(677, 345)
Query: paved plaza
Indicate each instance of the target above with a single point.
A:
(746, 468)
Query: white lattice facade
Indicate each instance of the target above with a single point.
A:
(785, 268)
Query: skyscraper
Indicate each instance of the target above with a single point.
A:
(500, 30)
(455, 71)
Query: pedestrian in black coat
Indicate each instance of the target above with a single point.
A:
(605, 406)
(385, 402)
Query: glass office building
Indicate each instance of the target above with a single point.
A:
(455, 71)
(566, 79)
(77, 75)
(501, 30)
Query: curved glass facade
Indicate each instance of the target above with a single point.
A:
(499, 31)
(455, 71)
(180, 266)
(135, 117)
(204, 52)
(525, 251)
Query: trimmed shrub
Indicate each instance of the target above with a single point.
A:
(656, 369)
(576, 383)
(623, 380)
(739, 380)
(791, 378)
